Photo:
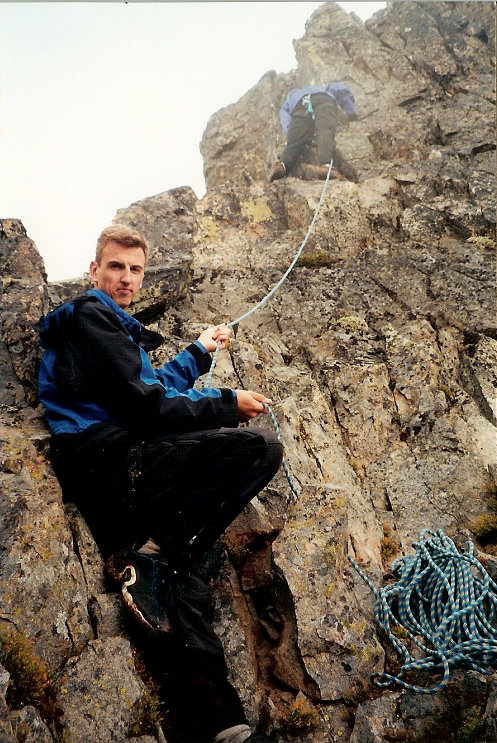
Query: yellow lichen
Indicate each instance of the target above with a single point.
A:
(351, 323)
(330, 556)
(257, 210)
(209, 227)
(481, 241)
(329, 590)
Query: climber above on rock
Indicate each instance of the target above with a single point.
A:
(310, 110)
(157, 468)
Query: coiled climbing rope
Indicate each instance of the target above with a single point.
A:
(260, 304)
(446, 603)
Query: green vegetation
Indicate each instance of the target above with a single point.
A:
(389, 546)
(31, 679)
(301, 717)
(484, 526)
(473, 725)
(460, 725)
(148, 711)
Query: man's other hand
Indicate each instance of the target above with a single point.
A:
(216, 334)
(250, 404)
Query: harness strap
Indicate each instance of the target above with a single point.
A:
(306, 101)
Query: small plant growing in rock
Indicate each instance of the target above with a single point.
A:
(448, 392)
(148, 713)
(301, 717)
(484, 526)
(460, 722)
(473, 725)
(31, 679)
(389, 546)
(318, 259)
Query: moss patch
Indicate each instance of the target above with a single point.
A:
(482, 242)
(318, 259)
(32, 681)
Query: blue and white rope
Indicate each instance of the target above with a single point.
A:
(284, 463)
(447, 604)
(263, 301)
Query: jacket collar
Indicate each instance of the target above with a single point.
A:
(149, 340)
(130, 323)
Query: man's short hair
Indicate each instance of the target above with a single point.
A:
(123, 235)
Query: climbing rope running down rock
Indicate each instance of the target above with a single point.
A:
(260, 304)
(446, 603)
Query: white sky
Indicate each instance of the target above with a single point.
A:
(104, 104)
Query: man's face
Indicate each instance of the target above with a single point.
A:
(119, 273)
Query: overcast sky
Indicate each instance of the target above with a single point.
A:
(104, 104)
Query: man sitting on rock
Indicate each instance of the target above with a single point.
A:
(157, 468)
(314, 110)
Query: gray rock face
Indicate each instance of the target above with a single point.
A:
(379, 351)
(24, 300)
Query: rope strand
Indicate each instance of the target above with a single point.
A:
(292, 264)
(284, 463)
(263, 301)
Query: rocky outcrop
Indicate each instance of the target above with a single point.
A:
(379, 351)
(24, 300)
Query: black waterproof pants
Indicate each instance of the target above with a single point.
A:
(189, 488)
(182, 491)
(302, 127)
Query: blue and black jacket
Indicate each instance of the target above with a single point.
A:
(96, 371)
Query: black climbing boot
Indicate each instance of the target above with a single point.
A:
(147, 587)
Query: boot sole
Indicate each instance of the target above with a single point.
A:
(119, 576)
